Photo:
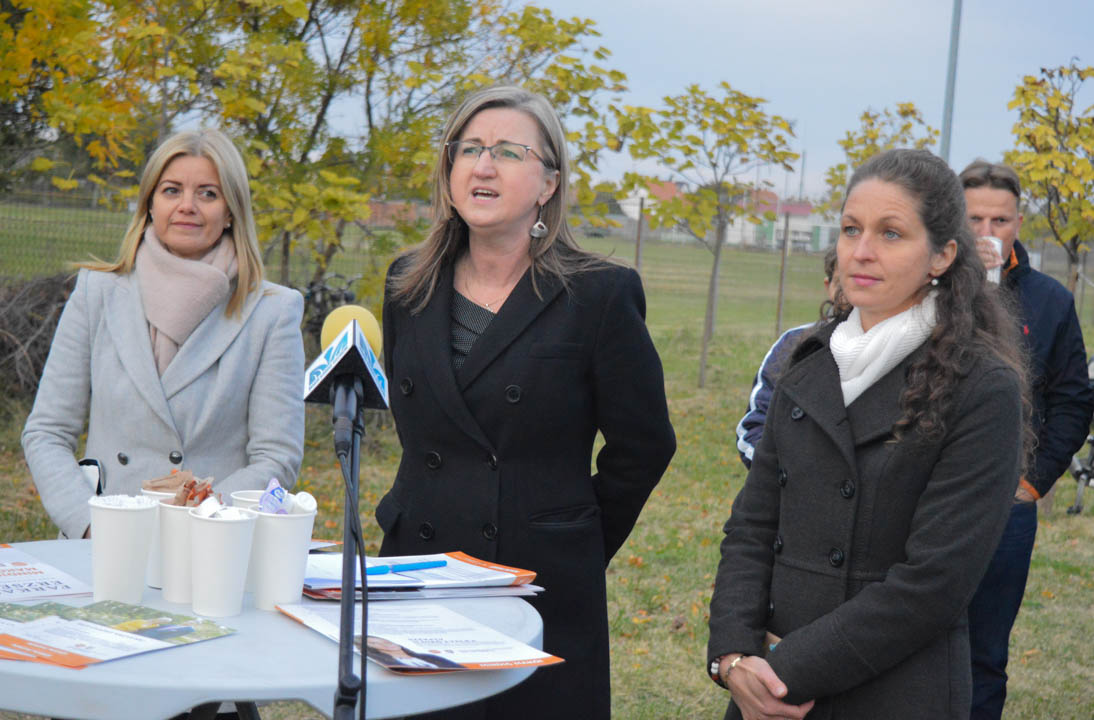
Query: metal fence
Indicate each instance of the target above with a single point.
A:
(42, 233)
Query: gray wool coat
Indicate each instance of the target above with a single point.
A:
(229, 405)
(862, 552)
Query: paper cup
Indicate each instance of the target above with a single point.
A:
(175, 552)
(279, 557)
(995, 274)
(152, 576)
(246, 498)
(219, 552)
(121, 533)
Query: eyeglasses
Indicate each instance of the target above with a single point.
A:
(503, 152)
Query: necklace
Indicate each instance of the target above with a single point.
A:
(492, 305)
(488, 305)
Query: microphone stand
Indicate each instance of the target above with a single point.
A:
(349, 427)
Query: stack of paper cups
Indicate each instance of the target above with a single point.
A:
(279, 557)
(248, 499)
(175, 552)
(152, 577)
(121, 532)
(220, 549)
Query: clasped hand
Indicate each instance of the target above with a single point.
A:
(757, 690)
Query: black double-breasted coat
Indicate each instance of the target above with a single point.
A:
(862, 552)
(497, 456)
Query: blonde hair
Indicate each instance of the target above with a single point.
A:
(216, 147)
(556, 254)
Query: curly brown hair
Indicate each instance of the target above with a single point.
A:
(974, 319)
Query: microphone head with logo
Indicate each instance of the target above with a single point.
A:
(350, 334)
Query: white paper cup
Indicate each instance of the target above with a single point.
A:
(219, 552)
(152, 576)
(121, 533)
(175, 552)
(995, 274)
(246, 498)
(279, 557)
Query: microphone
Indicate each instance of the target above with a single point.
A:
(347, 373)
(349, 377)
(351, 340)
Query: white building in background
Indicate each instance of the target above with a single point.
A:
(810, 231)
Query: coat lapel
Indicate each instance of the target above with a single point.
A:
(129, 330)
(433, 339)
(813, 385)
(207, 344)
(874, 413)
(518, 312)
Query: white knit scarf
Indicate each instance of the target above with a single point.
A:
(178, 293)
(864, 357)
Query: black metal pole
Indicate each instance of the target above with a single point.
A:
(348, 429)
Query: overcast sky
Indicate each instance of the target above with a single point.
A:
(822, 62)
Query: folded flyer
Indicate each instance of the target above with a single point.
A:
(417, 638)
(23, 577)
(449, 570)
(75, 637)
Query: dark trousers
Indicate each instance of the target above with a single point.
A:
(994, 608)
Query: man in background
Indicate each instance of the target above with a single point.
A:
(1062, 407)
(751, 426)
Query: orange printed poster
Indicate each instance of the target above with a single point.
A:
(416, 638)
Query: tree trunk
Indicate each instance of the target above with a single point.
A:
(286, 245)
(712, 300)
(1072, 248)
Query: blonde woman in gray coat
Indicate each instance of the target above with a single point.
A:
(176, 355)
(884, 476)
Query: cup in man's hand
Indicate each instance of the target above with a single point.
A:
(991, 253)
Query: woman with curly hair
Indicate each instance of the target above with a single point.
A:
(886, 470)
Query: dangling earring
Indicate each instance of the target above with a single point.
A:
(539, 230)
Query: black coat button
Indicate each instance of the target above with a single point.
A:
(796, 413)
(432, 460)
(782, 477)
(778, 544)
(492, 461)
(175, 457)
(835, 557)
(406, 385)
(770, 608)
(847, 489)
(489, 531)
(512, 393)
(123, 459)
(425, 531)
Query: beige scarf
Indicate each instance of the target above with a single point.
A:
(178, 293)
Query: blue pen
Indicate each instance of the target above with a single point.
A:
(404, 567)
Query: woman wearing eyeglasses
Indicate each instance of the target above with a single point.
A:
(508, 348)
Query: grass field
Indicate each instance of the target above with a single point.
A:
(660, 583)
